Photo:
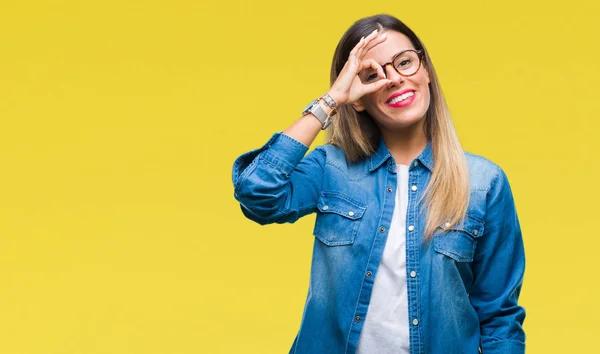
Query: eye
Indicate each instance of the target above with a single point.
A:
(371, 76)
(368, 76)
(404, 62)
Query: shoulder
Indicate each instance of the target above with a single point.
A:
(334, 155)
(326, 155)
(337, 162)
(484, 173)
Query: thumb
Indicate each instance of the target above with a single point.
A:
(370, 88)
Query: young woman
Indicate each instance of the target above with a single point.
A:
(417, 247)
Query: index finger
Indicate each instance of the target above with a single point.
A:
(370, 43)
(380, 39)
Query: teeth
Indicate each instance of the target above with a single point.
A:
(402, 97)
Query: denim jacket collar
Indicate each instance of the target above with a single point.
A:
(382, 154)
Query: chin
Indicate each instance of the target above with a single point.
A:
(395, 120)
(405, 123)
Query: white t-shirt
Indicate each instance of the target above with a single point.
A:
(386, 327)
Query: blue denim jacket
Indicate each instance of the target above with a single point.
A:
(463, 286)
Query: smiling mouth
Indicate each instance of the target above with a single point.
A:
(401, 98)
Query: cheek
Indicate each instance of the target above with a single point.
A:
(370, 101)
(374, 96)
(424, 88)
(426, 97)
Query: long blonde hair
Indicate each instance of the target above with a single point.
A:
(447, 194)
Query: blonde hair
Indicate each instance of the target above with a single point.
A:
(447, 194)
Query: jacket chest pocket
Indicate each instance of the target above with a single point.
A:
(459, 242)
(338, 219)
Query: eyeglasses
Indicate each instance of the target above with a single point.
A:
(406, 63)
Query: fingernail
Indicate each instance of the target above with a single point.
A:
(361, 38)
(374, 31)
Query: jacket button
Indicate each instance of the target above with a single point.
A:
(475, 232)
(382, 229)
(413, 188)
(411, 228)
(389, 190)
(413, 274)
(351, 213)
(415, 322)
(415, 164)
(357, 319)
(369, 273)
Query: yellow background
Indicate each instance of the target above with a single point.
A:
(120, 121)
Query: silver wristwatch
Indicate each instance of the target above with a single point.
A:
(315, 108)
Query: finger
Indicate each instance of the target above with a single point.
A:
(352, 57)
(370, 88)
(358, 51)
(371, 63)
(367, 40)
(357, 47)
(378, 40)
(371, 43)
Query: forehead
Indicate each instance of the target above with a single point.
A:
(395, 43)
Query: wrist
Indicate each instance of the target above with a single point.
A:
(321, 110)
(325, 106)
(336, 97)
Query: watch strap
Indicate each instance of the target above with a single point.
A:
(321, 115)
(329, 101)
(319, 112)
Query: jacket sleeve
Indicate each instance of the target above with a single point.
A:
(498, 269)
(277, 183)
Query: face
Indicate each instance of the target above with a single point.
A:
(405, 100)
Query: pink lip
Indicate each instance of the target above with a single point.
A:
(402, 103)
